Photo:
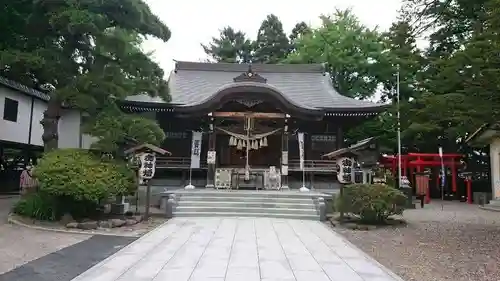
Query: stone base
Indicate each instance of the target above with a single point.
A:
(495, 202)
(119, 209)
(494, 205)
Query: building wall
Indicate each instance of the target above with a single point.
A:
(69, 129)
(15, 131)
(39, 107)
(495, 168)
(30, 113)
(87, 141)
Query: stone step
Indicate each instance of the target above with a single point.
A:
(253, 210)
(212, 198)
(239, 214)
(248, 194)
(308, 205)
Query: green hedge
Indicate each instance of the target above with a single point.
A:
(75, 181)
(371, 203)
(80, 175)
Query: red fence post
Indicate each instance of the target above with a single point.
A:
(453, 176)
(469, 190)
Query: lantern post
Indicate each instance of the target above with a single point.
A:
(144, 156)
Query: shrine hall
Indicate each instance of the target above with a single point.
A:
(258, 126)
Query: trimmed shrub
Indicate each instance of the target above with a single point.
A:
(81, 176)
(75, 181)
(371, 203)
(39, 206)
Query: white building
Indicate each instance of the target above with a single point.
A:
(489, 135)
(21, 110)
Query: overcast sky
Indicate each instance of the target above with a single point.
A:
(196, 21)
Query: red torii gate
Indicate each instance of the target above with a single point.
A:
(420, 161)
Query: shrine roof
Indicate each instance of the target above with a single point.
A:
(303, 85)
(484, 135)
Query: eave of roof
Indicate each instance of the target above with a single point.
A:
(23, 89)
(484, 135)
(192, 83)
(361, 145)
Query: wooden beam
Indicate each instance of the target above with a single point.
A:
(249, 114)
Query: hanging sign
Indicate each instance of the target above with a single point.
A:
(148, 166)
(196, 150)
(284, 163)
(345, 174)
(211, 157)
(300, 137)
(284, 157)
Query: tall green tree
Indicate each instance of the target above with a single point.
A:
(299, 30)
(271, 45)
(84, 54)
(405, 59)
(354, 54)
(231, 46)
(457, 81)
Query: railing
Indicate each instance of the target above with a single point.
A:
(313, 165)
(167, 162)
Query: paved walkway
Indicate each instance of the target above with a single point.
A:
(239, 249)
(20, 245)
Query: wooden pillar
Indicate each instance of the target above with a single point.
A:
(184, 177)
(211, 147)
(340, 137)
(284, 156)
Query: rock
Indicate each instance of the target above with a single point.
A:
(118, 222)
(350, 225)
(88, 225)
(105, 224)
(72, 225)
(139, 218)
(130, 222)
(367, 227)
(66, 219)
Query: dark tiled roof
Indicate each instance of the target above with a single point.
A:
(24, 89)
(192, 83)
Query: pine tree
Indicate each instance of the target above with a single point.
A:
(272, 44)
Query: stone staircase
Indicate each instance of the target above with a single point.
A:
(216, 203)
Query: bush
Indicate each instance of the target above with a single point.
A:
(38, 206)
(75, 181)
(78, 175)
(371, 203)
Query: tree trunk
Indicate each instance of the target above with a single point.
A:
(50, 123)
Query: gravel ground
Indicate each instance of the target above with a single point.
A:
(460, 243)
(19, 245)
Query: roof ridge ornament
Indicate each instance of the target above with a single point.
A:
(250, 76)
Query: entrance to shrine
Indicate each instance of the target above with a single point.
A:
(249, 142)
(234, 157)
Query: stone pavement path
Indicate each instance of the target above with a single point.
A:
(19, 245)
(239, 249)
(34, 255)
